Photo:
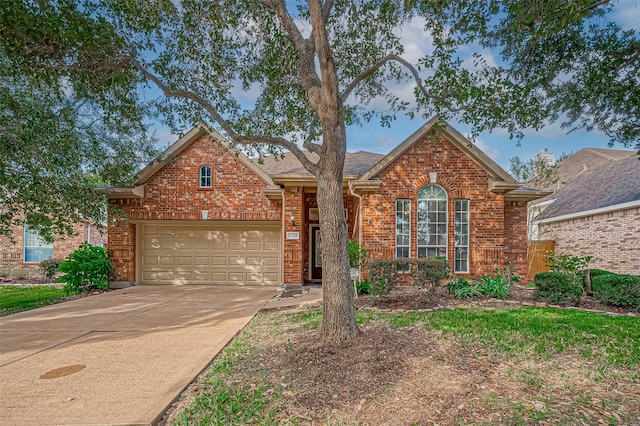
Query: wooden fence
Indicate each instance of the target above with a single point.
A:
(537, 257)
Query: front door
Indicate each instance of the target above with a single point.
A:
(316, 253)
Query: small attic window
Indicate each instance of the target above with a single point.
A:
(205, 177)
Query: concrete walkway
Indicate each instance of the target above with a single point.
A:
(116, 358)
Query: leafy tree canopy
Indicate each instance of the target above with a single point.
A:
(579, 62)
(59, 137)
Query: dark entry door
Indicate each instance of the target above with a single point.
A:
(316, 253)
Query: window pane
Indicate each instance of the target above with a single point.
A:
(461, 251)
(432, 221)
(403, 228)
(36, 249)
(205, 177)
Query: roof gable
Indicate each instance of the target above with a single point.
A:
(453, 136)
(184, 142)
(610, 184)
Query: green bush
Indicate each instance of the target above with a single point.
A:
(617, 290)
(363, 287)
(429, 271)
(384, 275)
(49, 268)
(598, 272)
(494, 286)
(461, 288)
(561, 288)
(85, 269)
(357, 255)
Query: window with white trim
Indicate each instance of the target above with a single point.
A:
(432, 221)
(36, 249)
(205, 177)
(461, 234)
(403, 228)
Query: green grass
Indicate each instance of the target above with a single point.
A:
(17, 299)
(523, 332)
(225, 401)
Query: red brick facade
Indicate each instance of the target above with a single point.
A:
(497, 228)
(12, 253)
(491, 220)
(173, 193)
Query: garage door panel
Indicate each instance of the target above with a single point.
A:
(254, 245)
(271, 246)
(219, 260)
(253, 261)
(185, 260)
(236, 277)
(271, 261)
(215, 253)
(237, 246)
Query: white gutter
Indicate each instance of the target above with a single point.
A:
(601, 210)
(359, 197)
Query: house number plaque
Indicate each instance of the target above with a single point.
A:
(293, 235)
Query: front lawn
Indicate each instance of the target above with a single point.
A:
(21, 298)
(456, 366)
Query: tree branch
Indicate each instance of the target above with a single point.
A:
(306, 52)
(392, 57)
(308, 142)
(241, 139)
(629, 61)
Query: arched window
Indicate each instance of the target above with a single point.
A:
(205, 177)
(432, 221)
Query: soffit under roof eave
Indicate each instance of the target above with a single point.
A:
(273, 192)
(365, 185)
(500, 187)
(525, 196)
(305, 180)
(114, 192)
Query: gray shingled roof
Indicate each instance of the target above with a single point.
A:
(610, 183)
(355, 164)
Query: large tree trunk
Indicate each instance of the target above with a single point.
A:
(338, 320)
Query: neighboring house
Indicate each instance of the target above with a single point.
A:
(28, 249)
(203, 214)
(595, 209)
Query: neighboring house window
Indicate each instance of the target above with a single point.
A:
(205, 177)
(432, 221)
(461, 233)
(403, 228)
(36, 249)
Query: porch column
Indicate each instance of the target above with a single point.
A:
(293, 235)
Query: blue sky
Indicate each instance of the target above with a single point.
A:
(374, 138)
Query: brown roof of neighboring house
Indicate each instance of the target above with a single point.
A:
(613, 180)
(586, 159)
(355, 164)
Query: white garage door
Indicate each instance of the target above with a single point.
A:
(213, 253)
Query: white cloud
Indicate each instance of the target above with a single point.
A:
(165, 137)
(493, 153)
(627, 14)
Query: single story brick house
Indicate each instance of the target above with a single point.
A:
(204, 214)
(28, 249)
(595, 209)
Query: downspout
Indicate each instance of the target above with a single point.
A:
(359, 197)
(282, 239)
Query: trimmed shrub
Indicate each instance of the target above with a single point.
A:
(49, 268)
(599, 272)
(86, 269)
(617, 290)
(429, 271)
(384, 276)
(559, 288)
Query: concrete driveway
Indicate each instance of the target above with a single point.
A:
(115, 358)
